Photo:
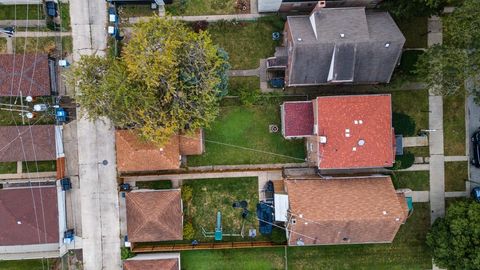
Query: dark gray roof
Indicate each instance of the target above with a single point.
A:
(356, 34)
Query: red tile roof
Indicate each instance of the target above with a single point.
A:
(358, 130)
(28, 216)
(136, 155)
(336, 211)
(297, 118)
(163, 264)
(27, 143)
(28, 73)
(154, 216)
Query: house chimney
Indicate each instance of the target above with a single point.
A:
(317, 8)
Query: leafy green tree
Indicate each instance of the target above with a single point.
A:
(444, 69)
(462, 27)
(403, 10)
(455, 239)
(168, 80)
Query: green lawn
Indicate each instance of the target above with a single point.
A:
(237, 84)
(43, 44)
(125, 11)
(8, 167)
(247, 42)
(454, 124)
(40, 264)
(417, 181)
(455, 175)
(408, 251)
(21, 12)
(238, 259)
(415, 31)
(39, 166)
(407, 63)
(420, 151)
(212, 195)
(203, 7)
(161, 184)
(240, 135)
(3, 45)
(413, 103)
(8, 118)
(65, 16)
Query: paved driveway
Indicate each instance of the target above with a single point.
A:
(473, 125)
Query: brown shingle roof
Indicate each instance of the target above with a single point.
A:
(28, 216)
(154, 216)
(192, 144)
(163, 264)
(135, 155)
(28, 73)
(27, 143)
(336, 211)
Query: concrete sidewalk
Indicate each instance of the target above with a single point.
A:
(41, 34)
(243, 72)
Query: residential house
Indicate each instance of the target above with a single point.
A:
(134, 155)
(154, 216)
(344, 211)
(161, 261)
(286, 6)
(27, 143)
(343, 132)
(25, 74)
(338, 46)
(32, 222)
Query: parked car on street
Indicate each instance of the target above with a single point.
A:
(475, 160)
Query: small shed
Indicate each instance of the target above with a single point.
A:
(281, 207)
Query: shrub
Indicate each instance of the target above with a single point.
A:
(187, 193)
(188, 231)
(278, 236)
(404, 161)
(199, 26)
(126, 253)
(248, 97)
(403, 124)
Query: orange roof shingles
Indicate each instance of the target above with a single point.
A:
(160, 264)
(358, 131)
(341, 211)
(154, 216)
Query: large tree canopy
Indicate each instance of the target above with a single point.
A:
(168, 80)
(455, 239)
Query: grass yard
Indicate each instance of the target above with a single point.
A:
(417, 181)
(44, 44)
(454, 124)
(21, 12)
(39, 264)
(212, 195)
(8, 167)
(65, 16)
(135, 11)
(8, 118)
(247, 42)
(39, 166)
(160, 184)
(408, 251)
(413, 103)
(420, 151)
(455, 175)
(237, 84)
(203, 7)
(3, 45)
(240, 135)
(407, 64)
(238, 259)
(415, 31)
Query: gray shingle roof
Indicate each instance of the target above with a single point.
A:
(366, 32)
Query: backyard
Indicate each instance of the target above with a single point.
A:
(212, 195)
(21, 12)
(408, 251)
(454, 124)
(39, 166)
(8, 118)
(39, 264)
(207, 7)
(3, 45)
(417, 181)
(415, 31)
(42, 44)
(238, 84)
(161, 184)
(247, 42)
(455, 175)
(8, 167)
(241, 135)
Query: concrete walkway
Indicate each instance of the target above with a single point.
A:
(417, 167)
(424, 196)
(208, 18)
(9, 45)
(41, 34)
(244, 73)
(24, 23)
(456, 158)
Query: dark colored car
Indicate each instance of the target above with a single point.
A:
(51, 8)
(476, 149)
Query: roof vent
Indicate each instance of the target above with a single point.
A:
(384, 213)
(361, 142)
(299, 39)
(323, 139)
(387, 45)
(342, 35)
(161, 149)
(19, 222)
(300, 242)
